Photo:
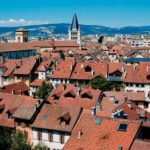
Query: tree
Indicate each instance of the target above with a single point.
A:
(43, 91)
(5, 138)
(20, 141)
(40, 146)
(100, 40)
(102, 84)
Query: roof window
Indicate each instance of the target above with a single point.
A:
(123, 126)
(98, 121)
(45, 117)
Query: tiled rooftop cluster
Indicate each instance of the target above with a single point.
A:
(75, 116)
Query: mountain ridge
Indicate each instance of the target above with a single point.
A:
(62, 28)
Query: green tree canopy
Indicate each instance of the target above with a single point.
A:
(5, 138)
(20, 141)
(40, 146)
(102, 84)
(43, 91)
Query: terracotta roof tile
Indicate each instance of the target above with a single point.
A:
(52, 119)
(104, 135)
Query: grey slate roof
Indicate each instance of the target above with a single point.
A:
(74, 25)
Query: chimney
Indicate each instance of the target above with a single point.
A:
(125, 98)
(92, 71)
(79, 91)
(13, 92)
(93, 109)
(71, 66)
(64, 87)
(38, 103)
(120, 148)
(147, 68)
(82, 65)
(79, 134)
(35, 107)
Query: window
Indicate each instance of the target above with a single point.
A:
(116, 102)
(9, 116)
(123, 126)
(145, 104)
(98, 121)
(39, 135)
(45, 117)
(19, 123)
(62, 138)
(50, 136)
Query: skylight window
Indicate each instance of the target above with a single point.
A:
(45, 117)
(123, 127)
(98, 121)
(116, 102)
(58, 69)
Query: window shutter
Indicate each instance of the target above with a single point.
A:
(50, 136)
(61, 138)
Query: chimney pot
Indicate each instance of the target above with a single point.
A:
(93, 109)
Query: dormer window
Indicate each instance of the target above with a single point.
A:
(70, 94)
(65, 119)
(88, 69)
(55, 97)
(148, 77)
(87, 95)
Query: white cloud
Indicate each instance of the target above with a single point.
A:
(14, 22)
(22, 21)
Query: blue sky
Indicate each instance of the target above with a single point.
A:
(112, 13)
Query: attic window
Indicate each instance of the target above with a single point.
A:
(45, 117)
(98, 121)
(75, 72)
(123, 126)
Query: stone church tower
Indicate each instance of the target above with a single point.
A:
(21, 35)
(74, 30)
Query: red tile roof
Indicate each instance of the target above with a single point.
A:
(63, 69)
(104, 136)
(38, 82)
(16, 88)
(8, 47)
(53, 114)
(80, 100)
(12, 102)
(27, 66)
(140, 145)
(138, 73)
(79, 73)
